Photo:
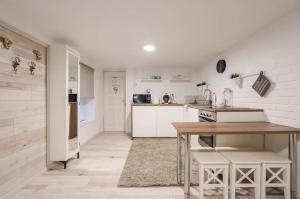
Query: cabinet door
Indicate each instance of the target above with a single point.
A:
(190, 114)
(193, 115)
(165, 116)
(185, 114)
(144, 121)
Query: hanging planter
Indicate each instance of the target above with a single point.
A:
(38, 55)
(6, 43)
(15, 63)
(32, 67)
(237, 79)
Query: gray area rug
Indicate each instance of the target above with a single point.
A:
(152, 162)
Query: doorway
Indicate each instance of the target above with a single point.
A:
(114, 101)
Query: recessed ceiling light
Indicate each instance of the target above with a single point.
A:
(149, 48)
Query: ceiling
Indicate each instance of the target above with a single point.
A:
(111, 33)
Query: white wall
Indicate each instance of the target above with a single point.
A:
(179, 89)
(275, 50)
(91, 128)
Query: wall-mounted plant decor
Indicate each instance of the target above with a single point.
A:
(32, 67)
(6, 43)
(15, 63)
(38, 54)
(237, 78)
(234, 75)
(202, 84)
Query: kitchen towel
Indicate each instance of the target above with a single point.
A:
(262, 84)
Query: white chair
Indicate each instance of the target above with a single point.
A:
(213, 171)
(275, 173)
(245, 171)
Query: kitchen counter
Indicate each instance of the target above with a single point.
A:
(224, 109)
(206, 107)
(148, 104)
(155, 120)
(198, 128)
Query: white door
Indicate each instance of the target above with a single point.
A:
(114, 101)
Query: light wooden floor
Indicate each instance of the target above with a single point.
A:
(95, 176)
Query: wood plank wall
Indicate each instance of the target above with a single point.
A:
(22, 113)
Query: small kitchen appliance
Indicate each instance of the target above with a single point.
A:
(141, 98)
(166, 98)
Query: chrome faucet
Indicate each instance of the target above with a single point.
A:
(209, 95)
(214, 99)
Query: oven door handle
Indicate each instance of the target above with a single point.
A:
(202, 119)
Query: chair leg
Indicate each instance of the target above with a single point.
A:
(257, 183)
(263, 184)
(286, 179)
(287, 188)
(287, 193)
(232, 181)
(225, 181)
(201, 181)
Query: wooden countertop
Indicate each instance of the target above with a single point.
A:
(149, 104)
(224, 109)
(198, 128)
(206, 107)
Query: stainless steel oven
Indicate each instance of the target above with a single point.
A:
(207, 140)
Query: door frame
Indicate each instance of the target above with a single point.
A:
(125, 104)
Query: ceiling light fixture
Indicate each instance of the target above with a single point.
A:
(149, 48)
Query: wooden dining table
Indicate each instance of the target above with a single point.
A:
(186, 129)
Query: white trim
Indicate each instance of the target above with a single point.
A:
(24, 34)
(114, 70)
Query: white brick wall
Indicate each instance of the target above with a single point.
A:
(158, 89)
(275, 50)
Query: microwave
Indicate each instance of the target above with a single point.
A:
(72, 97)
(141, 98)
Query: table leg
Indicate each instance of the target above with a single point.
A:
(179, 166)
(187, 164)
(293, 158)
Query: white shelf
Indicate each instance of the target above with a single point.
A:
(151, 80)
(180, 80)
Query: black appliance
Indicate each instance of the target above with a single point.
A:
(166, 98)
(72, 97)
(141, 98)
(207, 140)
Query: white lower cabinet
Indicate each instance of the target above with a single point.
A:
(155, 121)
(165, 116)
(144, 121)
(190, 114)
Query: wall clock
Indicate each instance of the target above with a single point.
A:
(221, 66)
